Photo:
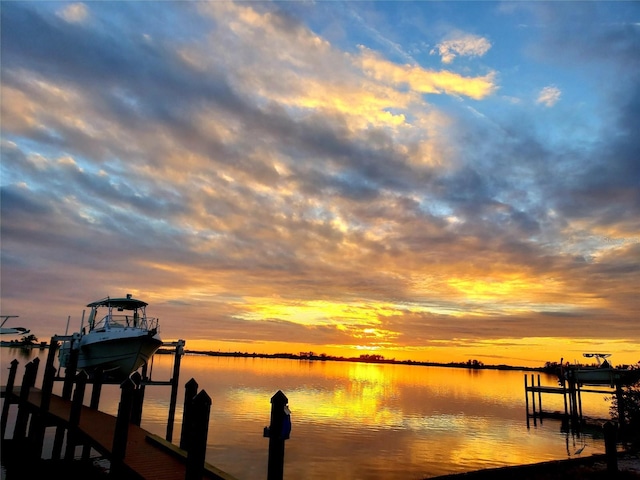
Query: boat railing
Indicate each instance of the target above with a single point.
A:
(126, 321)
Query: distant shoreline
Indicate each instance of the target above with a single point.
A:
(470, 364)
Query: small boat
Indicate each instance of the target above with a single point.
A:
(601, 374)
(120, 338)
(11, 330)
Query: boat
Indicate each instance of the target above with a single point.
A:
(601, 374)
(119, 339)
(11, 330)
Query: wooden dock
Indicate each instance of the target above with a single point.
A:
(572, 395)
(131, 452)
(147, 456)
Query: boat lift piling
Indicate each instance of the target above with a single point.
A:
(572, 391)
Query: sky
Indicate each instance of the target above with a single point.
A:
(434, 181)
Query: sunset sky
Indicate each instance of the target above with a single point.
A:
(420, 180)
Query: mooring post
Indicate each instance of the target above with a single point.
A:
(198, 431)
(70, 370)
(138, 399)
(121, 433)
(53, 348)
(526, 398)
(13, 369)
(96, 390)
(74, 415)
(573, 399)
(533, 399)
(28, 381)
(610, 446)
(174, 388)
(190, 391)
(38, 422)
(67, 391)
(540, 399)
(278, 431)
(579, 402)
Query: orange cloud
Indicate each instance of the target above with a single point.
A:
(427, 81)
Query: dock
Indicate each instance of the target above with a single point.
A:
(131, 452)
(572, 394)
(147, 455)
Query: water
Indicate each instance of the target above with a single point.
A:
(357, 421)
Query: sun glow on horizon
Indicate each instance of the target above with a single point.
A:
(317, 312)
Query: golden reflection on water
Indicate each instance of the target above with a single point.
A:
(356, 420)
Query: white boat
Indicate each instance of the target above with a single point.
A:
(11, 330)
(120, 338)
(601, 374)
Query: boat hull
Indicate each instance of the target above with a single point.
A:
(116, 355)
(606, 376)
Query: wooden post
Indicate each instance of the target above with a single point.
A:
(579, 402)
(539, 399)
(138, 399)
(51, 355)
(190, 391)
(38, 422)
(96, 390)
(573, 400)
(174, 389)
(70, 370)
(67, 391)
(199, 428)
(74, 415)
(13, 369)
(610, 447)
(28, 381)
(526, 398)
(121, 432)
(533, 400)
(277, 432)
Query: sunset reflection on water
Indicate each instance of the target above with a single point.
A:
(362, 421)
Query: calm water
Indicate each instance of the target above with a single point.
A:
(358, 421)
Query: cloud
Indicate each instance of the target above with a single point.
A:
(461, 44)
(549, 96)
(74, 13)
(425, 81)
(247, 174)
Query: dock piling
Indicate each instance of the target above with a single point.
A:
(28, 381)
(198, 431)
(121, 432)
(13, 370)
(278, 432)
(190, 391)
